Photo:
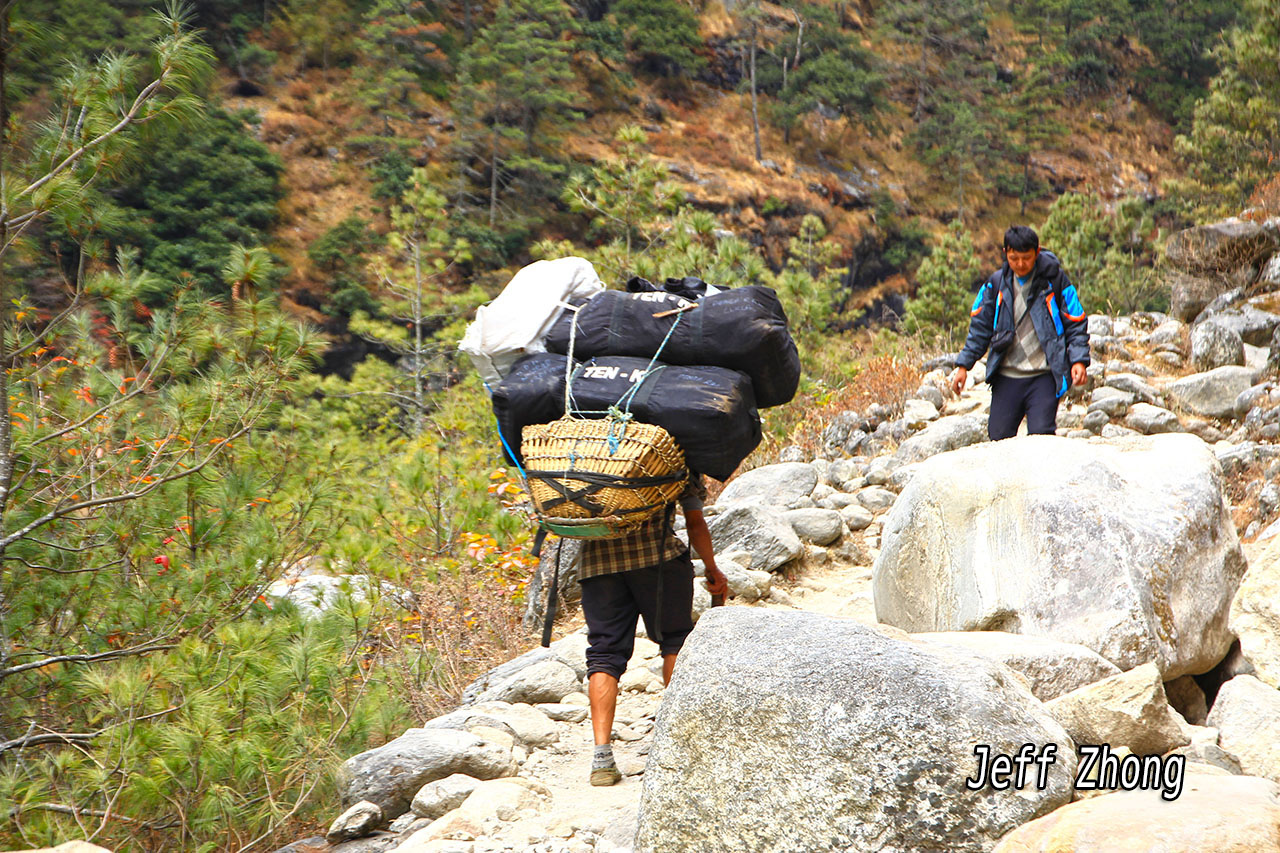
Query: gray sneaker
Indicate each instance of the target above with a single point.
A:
(604, 776)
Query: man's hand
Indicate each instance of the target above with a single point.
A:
(717, 583)
(957, 379)
(1078, 374)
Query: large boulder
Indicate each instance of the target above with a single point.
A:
(1211, 394)
(527, 724)
(777, 485)
(392, 774)
(790, 731)
(1215, 345)
(1125, 547)
(942, 435)
(1220, 246)
(1051, 668)
(544, 681)
(1255, 614)
(1246, 714)
(763, 532)
(819, 526)
(1225, 814)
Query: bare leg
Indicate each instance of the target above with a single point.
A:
(668, 666)
(602, 691)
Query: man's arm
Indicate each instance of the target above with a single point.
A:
(982, 318)
(700, 539)
(1075, 330)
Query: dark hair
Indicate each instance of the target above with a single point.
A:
(1021, 238)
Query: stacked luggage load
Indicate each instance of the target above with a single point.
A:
(696, 360)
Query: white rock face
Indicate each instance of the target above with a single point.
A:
(1126, 548)
(787, 731)
(1255, 614)
(1051, 668)
(1246, 714)
(1223, 814)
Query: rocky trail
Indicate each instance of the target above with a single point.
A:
(1087, 591)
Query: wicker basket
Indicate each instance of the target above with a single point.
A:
(600, 479)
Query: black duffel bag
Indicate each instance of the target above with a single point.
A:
(709, 411)
(743, 329)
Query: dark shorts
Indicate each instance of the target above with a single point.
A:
(611, 604)
(1013, 398)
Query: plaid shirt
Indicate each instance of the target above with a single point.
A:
(653, 542)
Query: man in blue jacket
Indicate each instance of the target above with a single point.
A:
(1030, 318)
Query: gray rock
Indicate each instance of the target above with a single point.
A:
(1215, 344)
(1273, 354)
(1126, 548)
(1099, 324)
(932, 394)
(1050, 667)
(875, 499)
(1251, 397)
(1270, 274)
(857, 517)
(940, 436)
(1149, 420)
(1128, 709)
(763, 532)
(1095, 421)
(1168, 332)
(1133, 384)
(505, 672)
(819, 526)
(793, 454)
(1210, 394)
(356, 822)
(1220, 246)
(1117, 431)
(776, 485)
(443, 795)
(392, 774)
(917, 413)
(881, 469)
(562, 713)
(1189, 294)
(526, 724)
(555, 551)
(1111, 401)
(1254, 326)
(841, 738)
(544, 681)
(1246, 714)
(317, 594)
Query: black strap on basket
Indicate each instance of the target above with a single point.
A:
(553, 597)
(596, 482)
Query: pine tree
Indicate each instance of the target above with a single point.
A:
(516, 70)
(1234, 142)
(625, 195)
(938, 312)
(398, 46)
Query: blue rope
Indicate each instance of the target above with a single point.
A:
(510, 453)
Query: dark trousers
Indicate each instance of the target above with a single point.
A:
(612, 603)
(1012, 399)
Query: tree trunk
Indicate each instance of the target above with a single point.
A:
(755, 105)
(493, 176)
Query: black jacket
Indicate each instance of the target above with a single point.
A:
(1059, 319)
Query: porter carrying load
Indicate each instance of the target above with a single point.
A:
(743, 329)
(709, 411)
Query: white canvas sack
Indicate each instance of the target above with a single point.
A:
(517, 321)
